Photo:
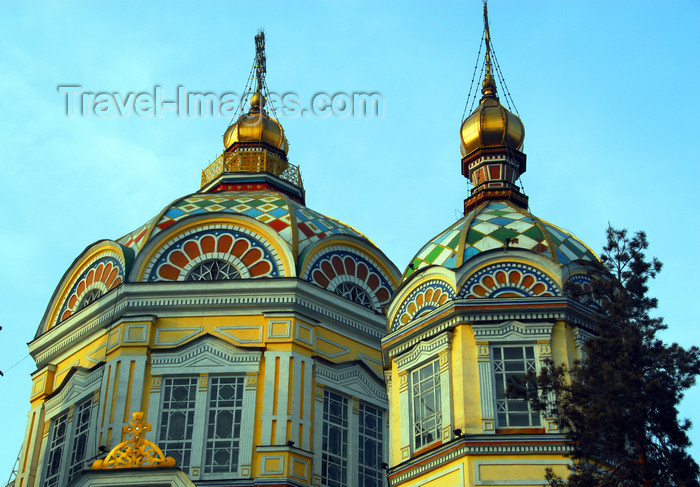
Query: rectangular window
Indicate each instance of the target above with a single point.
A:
(80, 438)
(334, 454)
(177, 418)
(427, 407)
(218, 437)
(224, 425)
(370, 473)
(59, 431)
(68, 445)
(510, 362)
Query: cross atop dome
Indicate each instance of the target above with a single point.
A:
(260, 60)
(255, 147)
(491, 139)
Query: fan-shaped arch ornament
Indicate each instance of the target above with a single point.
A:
(426, 297)
(101, 276)
(508, 280)
(580, 287)
(136, 451)
(351, 276)
(234, 253)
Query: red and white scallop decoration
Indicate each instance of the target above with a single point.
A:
(509, 280)
(332, 270)
(423, 302)
(423, 299)
(247, 255)
(102, 276)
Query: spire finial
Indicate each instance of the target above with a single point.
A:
(260, 61)
(488, 85)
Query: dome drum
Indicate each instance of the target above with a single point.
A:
(506, 195)
(494, 171)
(493, 167)
(244, 168)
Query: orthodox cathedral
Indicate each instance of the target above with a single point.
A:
(240, 338)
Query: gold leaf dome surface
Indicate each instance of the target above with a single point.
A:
(491, 124)
(256, 126)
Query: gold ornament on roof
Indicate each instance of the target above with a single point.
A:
(135, 452)
(491, 124)
(257, 126)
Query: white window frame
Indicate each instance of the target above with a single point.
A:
(509, 333)
(205, 359)
(500, 369)
(356, 386)
(79, 392)
(425, 352)
(341, 422)
(426, 388)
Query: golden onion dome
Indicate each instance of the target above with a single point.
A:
(256, 126)
(491, 124)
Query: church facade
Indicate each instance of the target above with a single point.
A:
(485, 301)
(244, 325)
(241, 338)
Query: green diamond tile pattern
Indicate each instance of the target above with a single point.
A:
(442, 250)
(496, 223)
(500, 221)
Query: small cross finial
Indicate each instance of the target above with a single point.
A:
(487, 38)
(488, 85)
(260, 61)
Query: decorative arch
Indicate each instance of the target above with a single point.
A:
(241, 252)
(100, 277)
(580, 287)
(98, 270)
(424, 298)
(351, 274)
(508, 280)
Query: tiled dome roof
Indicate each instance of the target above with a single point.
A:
(290, 219)
(497, 224)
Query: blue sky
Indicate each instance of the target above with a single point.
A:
(607, 92)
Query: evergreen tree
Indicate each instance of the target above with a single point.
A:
(618, 405)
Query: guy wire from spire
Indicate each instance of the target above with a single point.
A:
(246, 88)
(467, 104)
(502, 82)
(270, 104)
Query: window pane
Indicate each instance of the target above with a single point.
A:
(511, 366)
(510, 353)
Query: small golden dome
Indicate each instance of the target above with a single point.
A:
(491, 124)
(256, 126)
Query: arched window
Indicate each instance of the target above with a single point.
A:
(354, 293)
(89, 297)
(213, 270)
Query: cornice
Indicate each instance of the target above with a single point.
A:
(485, 311)
(347, 375)
(476, 445)
(81, 382)
(264, 296)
